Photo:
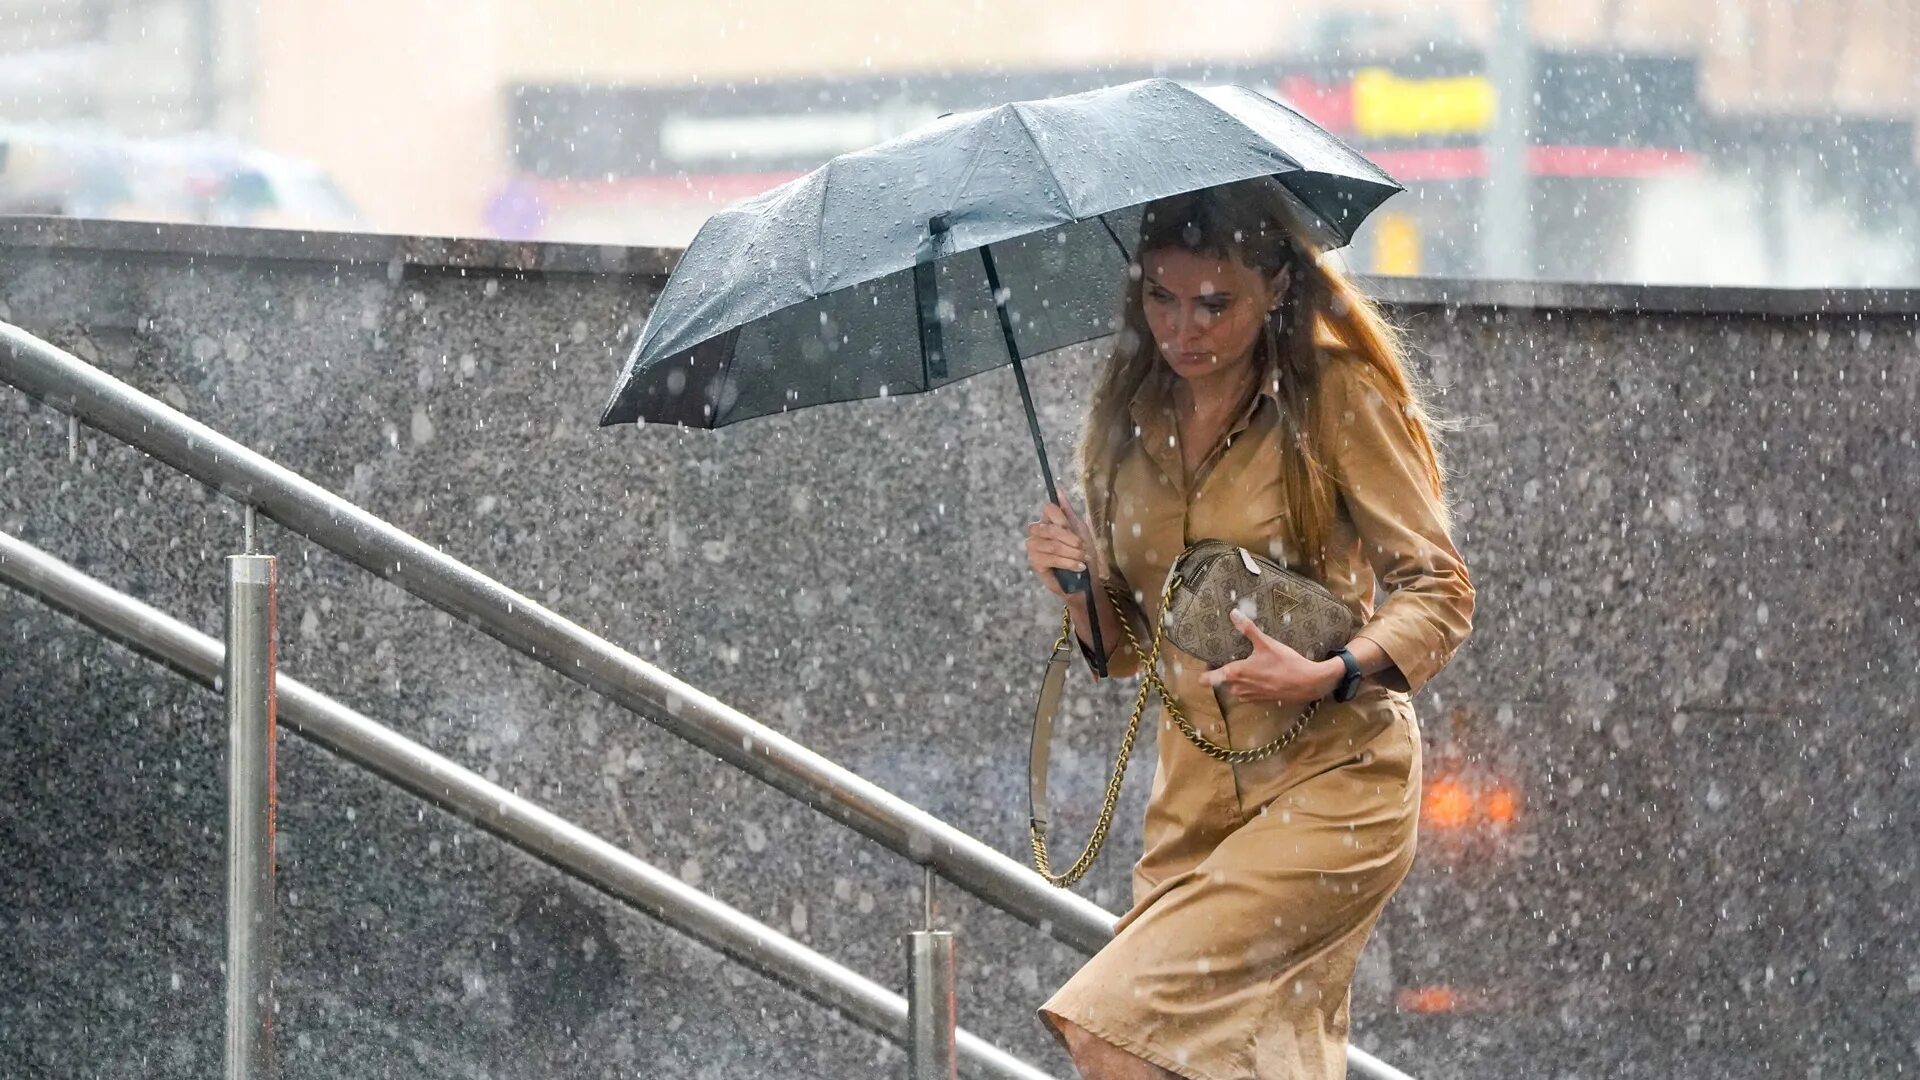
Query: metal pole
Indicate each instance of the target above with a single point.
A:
(249, 677)
(1506, 209)
(932, 1011)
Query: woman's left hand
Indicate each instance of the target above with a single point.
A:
(1274, 672)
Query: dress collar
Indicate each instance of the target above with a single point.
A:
(1157, 426)
(1145, 416)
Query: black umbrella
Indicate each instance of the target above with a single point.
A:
(857, 280)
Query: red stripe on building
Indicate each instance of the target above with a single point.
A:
(1470, 162)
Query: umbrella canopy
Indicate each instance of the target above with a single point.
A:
(856, 281)
(849, 283)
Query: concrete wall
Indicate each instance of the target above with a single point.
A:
(1672, 776)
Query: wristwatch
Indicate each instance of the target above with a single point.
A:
(1350, 682)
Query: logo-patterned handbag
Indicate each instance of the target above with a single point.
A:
(1206, 582)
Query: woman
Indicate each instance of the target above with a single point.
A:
(1256, 397)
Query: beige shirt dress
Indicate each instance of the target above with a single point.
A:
(1259, 883)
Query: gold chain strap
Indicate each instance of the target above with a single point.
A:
(1037, 831)
(1149, 684)
(1212, 749)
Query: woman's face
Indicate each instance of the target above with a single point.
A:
(1205, 313)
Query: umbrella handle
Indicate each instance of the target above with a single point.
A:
(1081, 581)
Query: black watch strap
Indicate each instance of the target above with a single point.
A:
(1350, 682)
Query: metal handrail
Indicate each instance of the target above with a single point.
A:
(519, 821)
(50, 374)
(529, 627)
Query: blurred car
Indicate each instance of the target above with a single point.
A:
(196, 178)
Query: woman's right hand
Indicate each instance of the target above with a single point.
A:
(1060, 540)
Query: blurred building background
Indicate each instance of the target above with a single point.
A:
(1702, 141)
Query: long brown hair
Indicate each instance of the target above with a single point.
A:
(1260, 225)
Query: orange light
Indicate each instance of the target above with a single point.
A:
(1449, 804)
(1428, 999)
(1501, 806)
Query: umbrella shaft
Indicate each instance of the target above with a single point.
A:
(1033, 422)
(1073, 581)
(1019, 372)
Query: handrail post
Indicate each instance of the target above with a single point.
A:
(932, 1013)
(252, 607)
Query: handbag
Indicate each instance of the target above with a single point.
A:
(1206, 582)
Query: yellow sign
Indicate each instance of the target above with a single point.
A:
(1386, 105)
(1396, 243)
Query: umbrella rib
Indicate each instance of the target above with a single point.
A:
(820, 231)
(1117, 242)
(726, 371)
(1216, 107)
(1044, 162)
